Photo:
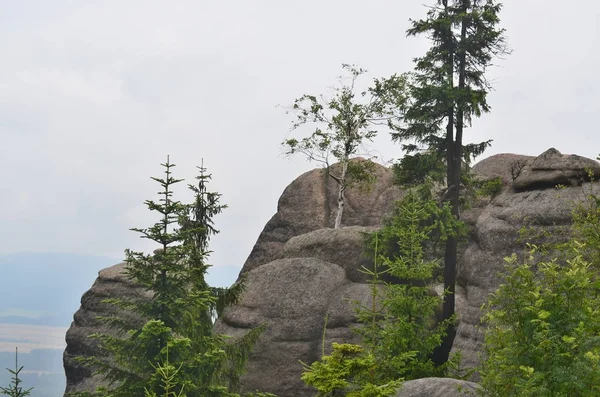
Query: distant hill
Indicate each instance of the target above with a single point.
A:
(42, 370)
(45, 288)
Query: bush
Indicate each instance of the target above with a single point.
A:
(543, 329)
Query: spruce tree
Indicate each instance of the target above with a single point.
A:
(401, 326)
(398, 328)
(177, 322)
(447, 89)
(15, 389)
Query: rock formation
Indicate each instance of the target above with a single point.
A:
(310, 202)
(301, 271)
(536, 204)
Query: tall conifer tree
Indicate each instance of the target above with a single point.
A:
(446, 90)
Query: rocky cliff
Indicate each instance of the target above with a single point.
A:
(300, 270)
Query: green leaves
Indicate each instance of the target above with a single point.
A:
(401, 328)
(343, 124)
(464, 38)
(348, 369)
(543, 326)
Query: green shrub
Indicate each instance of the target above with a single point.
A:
(543, 335)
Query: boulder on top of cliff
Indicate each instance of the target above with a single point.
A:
(553, 168)
(507, 166)
(344, 247)
(310, 203)
(438, 387)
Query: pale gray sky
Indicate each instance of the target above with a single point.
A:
(95, 94)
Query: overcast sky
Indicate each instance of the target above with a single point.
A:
(95, 94)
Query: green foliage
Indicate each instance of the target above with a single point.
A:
(15, 389)
(464, 39)
(543, 329)
(401, 329)
(543, 322)
(586, 222)
(413, 169)
(167, 373)
(434, 221)
(347, 371)
(343, 123)
(490, 188)
(173, 349)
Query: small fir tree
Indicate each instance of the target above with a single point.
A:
(402, 329)
(399, 330)
(177, 320)
(15, 389)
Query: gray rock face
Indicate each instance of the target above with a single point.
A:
(545, 211)
(438, 387)
(297, 274)
(344, 246)
(297, 241)
(292, 296)
(507, 166)
(111, 282)
(552, 168)
(310, 203)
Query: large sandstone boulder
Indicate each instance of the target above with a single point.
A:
(299, 300)
(344, 246)
(299, 272)
(507, 166)
(552, 168)
(310, 203)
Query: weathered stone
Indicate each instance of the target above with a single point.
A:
(344, 246)
(310, 203)
(301, 271)
(547, 215)
(552, 168)
(292, 297)
(111, 283)
(438, 387)
(507, 166)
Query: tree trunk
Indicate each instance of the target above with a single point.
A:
(454, 176)
(341, 196)
(442, 353)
